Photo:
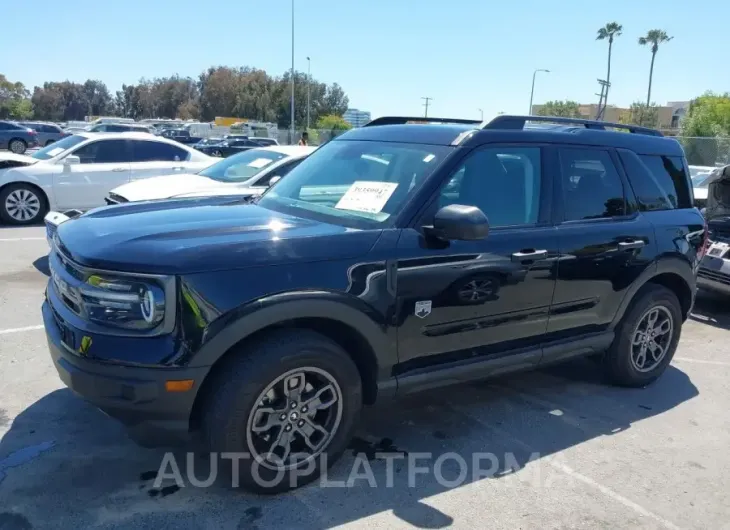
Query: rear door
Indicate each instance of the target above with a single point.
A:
(605, 243)
(104, 165)
(153, 159)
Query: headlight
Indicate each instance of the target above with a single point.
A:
(124, 302)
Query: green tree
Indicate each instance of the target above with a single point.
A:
(333, 122)
(609, 32)
(14, 100)
(640, 114)
(98, 97)
(705, 133)
(561, 109)
(62, 101)
(653, 38)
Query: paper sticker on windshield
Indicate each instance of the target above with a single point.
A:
(364, 196)
(429, 158)
(55, 151)
(260, 162)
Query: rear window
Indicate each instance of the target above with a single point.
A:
(659, 182)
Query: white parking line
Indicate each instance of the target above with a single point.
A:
(20, 330)
(23, 239)
(628, 503)
(701, 361)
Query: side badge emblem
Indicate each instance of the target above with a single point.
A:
(423, 308)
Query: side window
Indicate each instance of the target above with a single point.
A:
(281, 171)
(103, 152)
(147, 151)
(504, 182)
(592, 188)
(663, 185)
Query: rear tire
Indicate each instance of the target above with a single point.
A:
(22, 204)
(17, 146)
(646, 338)
(262, 404)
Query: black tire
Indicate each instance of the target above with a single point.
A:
(17, 146)
(237, 388)
(619, 367)
(216, 153)
(6, 215)
(49, 142)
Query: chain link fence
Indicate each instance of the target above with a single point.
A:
(707, 151)
(316, 136)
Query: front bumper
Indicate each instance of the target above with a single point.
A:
(714, 275)
(134, 395)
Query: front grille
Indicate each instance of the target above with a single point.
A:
(714, 276)
(66, 277)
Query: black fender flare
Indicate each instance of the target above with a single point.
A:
(665, 265)
(246, 320)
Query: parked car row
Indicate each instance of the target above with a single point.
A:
(398, 257)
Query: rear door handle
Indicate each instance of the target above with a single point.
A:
(178, 168)
(532, 255)
(630, 245)
(119, 169)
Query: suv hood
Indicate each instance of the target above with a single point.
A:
(718, 193)
(196, 235)
(165, 187)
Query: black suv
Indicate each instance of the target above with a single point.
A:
(398, 257)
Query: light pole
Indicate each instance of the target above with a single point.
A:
(309, 87)
(532, 92)
(292, 71)
(482, 113)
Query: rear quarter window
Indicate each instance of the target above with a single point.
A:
(659, 182)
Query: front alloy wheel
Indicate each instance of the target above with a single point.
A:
(21, 205)
(295, 419)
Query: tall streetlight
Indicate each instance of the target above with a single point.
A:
(292, 71)
(532, 92)
(482, 113)
(309, 87)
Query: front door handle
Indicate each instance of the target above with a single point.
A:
(630, 245)
(119, 169)
(529, 255)
(178, 168)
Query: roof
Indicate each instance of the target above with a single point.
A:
(504, 129)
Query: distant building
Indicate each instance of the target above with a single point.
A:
(356, 118)
(670, 116)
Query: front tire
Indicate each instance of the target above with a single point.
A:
(288, 403)
(17, 146)
(646, 338)
(21, 204)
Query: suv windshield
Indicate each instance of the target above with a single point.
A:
(56, 148)
(242, 166)
(355, 183)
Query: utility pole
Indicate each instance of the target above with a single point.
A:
(482, 114)
(309, 87)
(292, 132)
(427, 100)
(600, 114)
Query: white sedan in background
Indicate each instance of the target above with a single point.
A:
(78, 171)
(248, 173)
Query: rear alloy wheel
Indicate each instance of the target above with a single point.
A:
(17, 146)
(646, 338)
(21, 205)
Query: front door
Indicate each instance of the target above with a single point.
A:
(463, 300)
(104, 165)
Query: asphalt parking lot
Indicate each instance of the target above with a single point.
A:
(558, 448)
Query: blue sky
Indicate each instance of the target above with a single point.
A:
(387, 54)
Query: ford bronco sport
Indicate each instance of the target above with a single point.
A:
(400, 256)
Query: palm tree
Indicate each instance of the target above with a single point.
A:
(653, 37)
(609, 31)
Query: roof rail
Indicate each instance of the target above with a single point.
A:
(401, 120)
(518, 122)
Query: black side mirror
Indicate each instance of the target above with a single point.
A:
(457, 222)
